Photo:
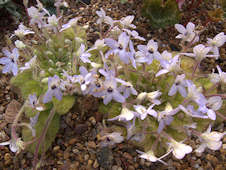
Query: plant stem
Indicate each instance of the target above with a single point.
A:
(13, 129)
(42, 137)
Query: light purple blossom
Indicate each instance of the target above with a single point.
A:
(187, 34)
(126, 22)
(189, 110)
(218, 78)
(134, 34)
(111, 92)
(216, 42)
(22, 31)
(103, 18)
(126, 88)
(200, 52)
(36, 16)
(71, 23)
(179, 85)
(10, 61)
(147, 52)
(53, 89)
(172, 65)
(126, 115)
(84, 56)
(119, 47)
(142, 112)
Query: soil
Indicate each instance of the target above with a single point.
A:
(76, 145)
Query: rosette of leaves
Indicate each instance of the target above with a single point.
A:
(59, 48)
(161, 13)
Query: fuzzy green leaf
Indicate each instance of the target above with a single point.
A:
(64, 105)
(50, 135)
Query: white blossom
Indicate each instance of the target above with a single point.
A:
(216, 42)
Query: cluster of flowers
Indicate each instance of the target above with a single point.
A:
(103, 79)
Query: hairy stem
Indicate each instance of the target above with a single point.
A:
(42, 137)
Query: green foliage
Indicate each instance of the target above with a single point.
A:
(11, 7)
(50, 135)
(64, 105)
(26, 84)
(161, 13)
(112, 109)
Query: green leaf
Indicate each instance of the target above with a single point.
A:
(112, 109)
(30, 112)
(64, 105)
(50, 135)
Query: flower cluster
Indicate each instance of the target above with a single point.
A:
(155, 89)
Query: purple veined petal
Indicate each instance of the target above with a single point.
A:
(163, 71)
(211, 114)
(111, 43)
(123, 55)
(123, 40)
(142, 48)
(7, 68)
(83, 71)
(190, 27)
(58, 94)
(5, 60)
(15, 53)
(179, 36)
(168, 120)
(142, 60)
(14, 69)
(182, 91)
(48, 96)
(107, 99)
(6, 52)
(172, 90)
(118, 97)
(161, 126)
(180, 28)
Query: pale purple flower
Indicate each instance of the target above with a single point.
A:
(53, 89)
(53, 23)
(195, 95)
(119, 47)
(12, 145)
(172, 65)
(111, 139)
(71, 23)
(142, 112)
(126, 88)
(84, 79)
(59, 3)
(166, 117)
(10, 61)
(200, 52)
(151, 96)
(147, 52)
(179, 85)
(111, 92)
(103, 18)
(36, 16)
(132, 54)
(187, 34)
(216, 42)
(84, 56)
(134, 34)
(33, 102)
(189, 110)
(33, 121)
(126, 22)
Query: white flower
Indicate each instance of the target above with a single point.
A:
(216, 42)
(53, 22)
(151, 96)
(22, 31)
(151, 157)
(179, 149)
(19, 44)
(126, 22)
(200, 52)
(112, 138)
(211, 140)
(218, 78)
(36, 16)
(126, 115)
(104, 18)
(187, 34)
(71, 22)
(14, 146)
(142, 112)
(134, 34)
